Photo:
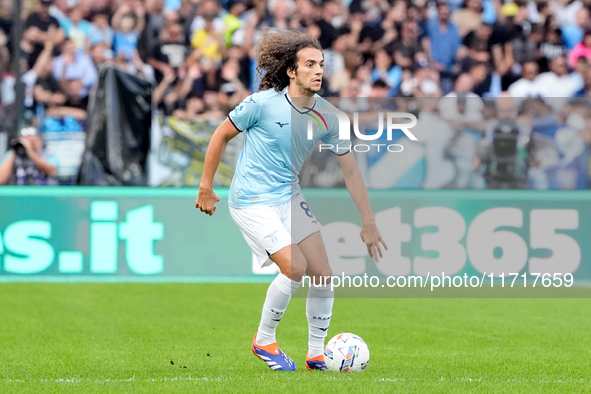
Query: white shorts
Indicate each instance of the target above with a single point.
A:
(267, 229)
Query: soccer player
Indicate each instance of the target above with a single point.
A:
(265, 199)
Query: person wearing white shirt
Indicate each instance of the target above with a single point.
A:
(526, 86)
(567, 14)
(557, 83)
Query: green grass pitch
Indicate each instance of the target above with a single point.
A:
(123, 338)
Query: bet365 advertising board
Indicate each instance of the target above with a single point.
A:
(149, 234)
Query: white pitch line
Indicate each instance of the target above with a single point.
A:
(332, 377)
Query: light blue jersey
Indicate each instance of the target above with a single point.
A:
(277, 145)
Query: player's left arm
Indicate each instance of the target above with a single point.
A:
(369, 231)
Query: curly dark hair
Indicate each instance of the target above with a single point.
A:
(278, 52)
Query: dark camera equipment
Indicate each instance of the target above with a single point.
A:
(18, 148)
(505, 170)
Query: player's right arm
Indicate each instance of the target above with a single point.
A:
(207, 198)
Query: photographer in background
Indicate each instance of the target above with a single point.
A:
(26, 163)
(506, 150)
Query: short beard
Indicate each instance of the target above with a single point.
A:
(305, 91)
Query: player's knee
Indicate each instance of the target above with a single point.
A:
(294, 271)
(323, 276)
(326, 273)
(298, 270)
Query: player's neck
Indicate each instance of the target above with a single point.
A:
(305, 98)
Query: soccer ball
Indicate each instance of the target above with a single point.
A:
(346, 352)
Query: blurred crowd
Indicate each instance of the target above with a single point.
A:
(467, 142)
(200, 54)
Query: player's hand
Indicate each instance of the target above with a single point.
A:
(206, 200)
(372, 238)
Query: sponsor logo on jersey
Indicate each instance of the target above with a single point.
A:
(239, 109)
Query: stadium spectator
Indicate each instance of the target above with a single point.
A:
(26, 163)
(127, 23)
(333, 57)
(229, 81)
(42, 88)
(171, 53)
(75, 69)
(582, 49)
(59, 9)
(468, 18)
(386, 71)
(77, 29)
(543, 120)
(423, 77)
(6, 17)
(305, 13)
(100, 53)
(585, 91)
(328, 33)
(566, 11)
(557, 82)
(191, 80)
(526, 86)
(510, 43)
(478, 45)
(185, 15)
(194, 108)
(190, 47)
(487, 83)
(352, 90)
(149, 39)
(444, 41)
(164, 95)
(212, 105)
(573, 33)
(207, 40)
(233, 21)
(352, 60)
(550, 48)
(37, 30)
(379, 88)
(579, 71)
(280, 12)
(101, 31)
(29, 77)
(134, 66)
(6, 87)
(407, 49)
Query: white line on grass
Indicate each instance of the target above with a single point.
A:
(333, 377)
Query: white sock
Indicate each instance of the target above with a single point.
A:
(318, 311)
(278, 296)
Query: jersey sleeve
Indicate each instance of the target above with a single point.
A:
(339, 147)
(246, 114)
